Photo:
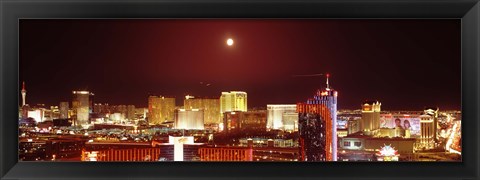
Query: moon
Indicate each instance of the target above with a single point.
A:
(230, 42)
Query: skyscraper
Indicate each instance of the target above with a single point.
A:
(131, 112)
(433, 112)
(233, 101)
(210, 107)
(189, 119)
(277, 114)
(427, 132)
(245, 121)
(80, 106)
(370, 121)
(24, 94)
(160, 109)
(317, 126)
(63, 107)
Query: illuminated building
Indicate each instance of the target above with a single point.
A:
(121, 109)
(24, 111)
(233, 101)
(141, 112)
(342, 132)
(24, 94)
(353, 125)
(210, 107)
(226, 154)
(133, 154)
(370, 121)
(245, 121)
(37, 114)
(282, 116)
(63, 108)
(361, 143)
(391, 132)
(54, 112)
(178, 143)
(189, 119)
(427, 130)
(117, 117)
(317, 126)
(80, 106)
(24, 108)
(387, 153)
(130, 112)
(160, 109)
(290, 121)
(433, 111)
(179, 148)
(263, 142)
(100, 108)
(49, 149)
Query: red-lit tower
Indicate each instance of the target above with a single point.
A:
(317, 126)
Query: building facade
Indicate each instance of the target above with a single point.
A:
(370, 121)
(245, 121)
(210, 107)
(160, 109)
(189, 119)
(427, 130)
(81, 107)
(233, 101)
(64, 107)
(317, 126)
(226, 154)
(282, 116)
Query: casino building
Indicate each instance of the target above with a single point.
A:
(189, 119)
(317, 126)
(233, 101)
(370, 121)
(82, 106)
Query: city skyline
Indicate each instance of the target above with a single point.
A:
(123, 61)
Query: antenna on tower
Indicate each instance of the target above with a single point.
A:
(328, 86)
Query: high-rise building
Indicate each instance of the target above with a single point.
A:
(91, 102)
(233, 101)
(370, 121)
(141, 112)
(426, 132)
(38, 114)
(160, 109)
(101, 108)
(189, 119)
(54, 112)
(317, 126)
(279, 114)
(210, 107)
(63, 107)
(24, 94)
(130, 112)
(80, 106)
(353, 125)
(245, 121)
(433, 112)
(24, 108)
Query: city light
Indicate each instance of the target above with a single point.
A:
(269, 100)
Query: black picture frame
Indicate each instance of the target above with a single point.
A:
(13, 10)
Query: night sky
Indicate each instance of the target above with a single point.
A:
(405, 64)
